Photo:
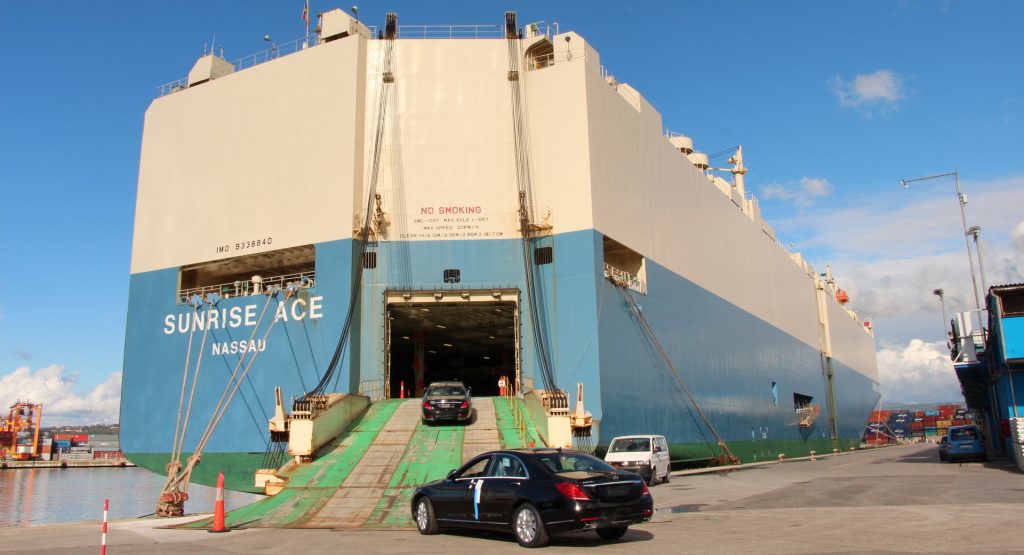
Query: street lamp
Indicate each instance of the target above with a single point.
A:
(961, 199)
(273, 46)
(942, 302)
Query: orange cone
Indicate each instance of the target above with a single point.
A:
(218, 507)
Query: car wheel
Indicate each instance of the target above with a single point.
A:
(528, 527)
(652, 474)
(668, 475)
(426, 523)
(612, 532)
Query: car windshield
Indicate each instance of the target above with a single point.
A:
(964, 434)
(445, 390)
(631, 445)
(571, 462)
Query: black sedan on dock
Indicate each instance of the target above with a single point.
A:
(533, 493)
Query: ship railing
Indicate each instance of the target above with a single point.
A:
(518, 418)
(547, 60)
(272, 53)
(631, 281)
(450, 32)
(404, 32)
(173, 86)
(248, 287)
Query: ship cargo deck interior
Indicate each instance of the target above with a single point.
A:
(473, 342)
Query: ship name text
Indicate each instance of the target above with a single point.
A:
(242, 316)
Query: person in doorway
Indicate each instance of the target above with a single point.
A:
(502, 383)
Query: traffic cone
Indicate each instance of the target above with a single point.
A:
(218, 507)
(401, 390)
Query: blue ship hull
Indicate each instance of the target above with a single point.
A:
(742, 371)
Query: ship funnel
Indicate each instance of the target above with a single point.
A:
(682, 143)
(699, 159)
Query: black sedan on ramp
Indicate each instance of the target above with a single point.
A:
(447, 401)
(533, 493)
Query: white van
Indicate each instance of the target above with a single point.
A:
(645, 455)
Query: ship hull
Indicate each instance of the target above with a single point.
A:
(437, 152)
(741, 371)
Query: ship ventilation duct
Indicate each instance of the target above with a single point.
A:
(209, 67)
(337, 24)
(682, 143)
(699, 159)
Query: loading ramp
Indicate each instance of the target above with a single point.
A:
(366, 477)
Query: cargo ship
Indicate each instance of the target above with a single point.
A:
(365, 211)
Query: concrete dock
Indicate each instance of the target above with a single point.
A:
(892, 500)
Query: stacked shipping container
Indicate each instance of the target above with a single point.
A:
(892, 426)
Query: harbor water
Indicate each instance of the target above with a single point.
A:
(35, 496)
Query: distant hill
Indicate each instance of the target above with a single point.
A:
(102, 429)
(918, 406)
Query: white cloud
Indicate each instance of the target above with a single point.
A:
(881, 90)
(918, 372)
(1017, 236)
(800, 194)
(892, 250)
(55, 389)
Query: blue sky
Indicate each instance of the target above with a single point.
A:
(833, 103)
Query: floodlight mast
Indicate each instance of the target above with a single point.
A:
(962, 201)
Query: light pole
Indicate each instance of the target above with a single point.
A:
(961, 199)
(942, 302)
(973, 232)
